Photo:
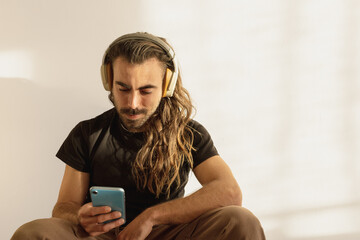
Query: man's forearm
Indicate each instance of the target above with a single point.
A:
(215, 194)
(67, 210)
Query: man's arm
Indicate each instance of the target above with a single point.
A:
(72, 194)
(219, 188)
(69, 206)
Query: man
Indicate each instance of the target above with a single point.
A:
(146, 144)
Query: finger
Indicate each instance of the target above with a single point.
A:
(89, 210)
(93, 211)
(94, 234)
(107, 217)
(103, 228)
(111, 225)
(100, 218)
(85, 209)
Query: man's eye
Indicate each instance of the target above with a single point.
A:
(123, 89)
(144, 92)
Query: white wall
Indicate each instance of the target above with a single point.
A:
(275, 82)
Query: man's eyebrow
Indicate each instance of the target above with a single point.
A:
(123, 84)
(147, 86)
(140, 88)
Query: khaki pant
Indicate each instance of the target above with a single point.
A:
(233, 222)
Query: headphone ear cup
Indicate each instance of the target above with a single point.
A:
(167, 79)
(103, 77)
(109, 76)
(106, 76)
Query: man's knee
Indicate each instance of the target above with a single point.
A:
(238, 214)
(29, 230)
(240, 222)
(41, 229)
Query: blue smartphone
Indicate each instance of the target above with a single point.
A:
(113, 197)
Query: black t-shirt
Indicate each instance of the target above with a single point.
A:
(105, 150)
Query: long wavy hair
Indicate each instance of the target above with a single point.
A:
(168, 138)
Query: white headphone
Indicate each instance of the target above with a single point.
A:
(170, 76)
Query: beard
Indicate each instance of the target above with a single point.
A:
(137, 124)
(134, 125)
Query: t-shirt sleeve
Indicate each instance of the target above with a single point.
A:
(203, 145)
(75, 151)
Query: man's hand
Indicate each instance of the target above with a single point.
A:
(138, 229)
(92, 218)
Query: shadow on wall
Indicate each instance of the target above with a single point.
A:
(34, 122)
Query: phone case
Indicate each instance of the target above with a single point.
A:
(113, 197)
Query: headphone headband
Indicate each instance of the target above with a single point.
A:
(170, 76)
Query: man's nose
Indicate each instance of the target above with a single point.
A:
(134, 100)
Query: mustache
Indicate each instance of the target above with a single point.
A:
(131, 111)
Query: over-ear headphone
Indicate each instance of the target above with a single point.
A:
(170, 76)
